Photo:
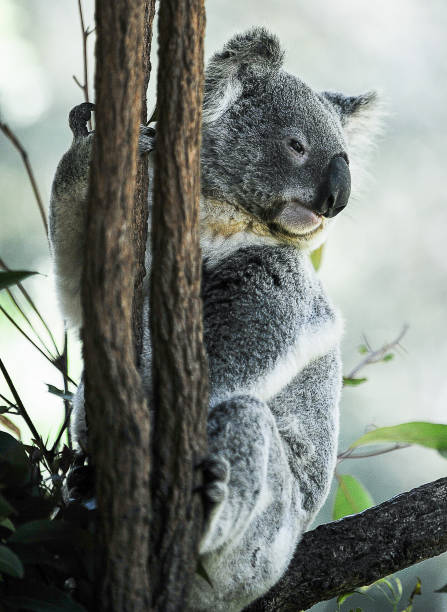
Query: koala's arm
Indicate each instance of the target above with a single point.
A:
(260, 333)
(68, 211)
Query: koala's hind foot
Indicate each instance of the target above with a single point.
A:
(79, 117)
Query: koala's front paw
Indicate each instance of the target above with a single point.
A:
(147, 139)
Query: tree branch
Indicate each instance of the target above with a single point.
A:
(355, 551)
(179, 361)
(140, 213)
(117, 413)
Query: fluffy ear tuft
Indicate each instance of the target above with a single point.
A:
(348, 107)
(256, 46)
(361, 118)
(257, 49)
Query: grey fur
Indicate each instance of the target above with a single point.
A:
(272, 335)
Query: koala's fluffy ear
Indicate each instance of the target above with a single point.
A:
(360, 115)
(361, 118)
(255, 50)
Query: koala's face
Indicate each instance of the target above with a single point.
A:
(272, 145)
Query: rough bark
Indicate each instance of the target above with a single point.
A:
(117, 413)
(355, 551)
(179, 362)
(140, 214)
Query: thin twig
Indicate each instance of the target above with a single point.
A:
(379, 354)
(17, 305)
(67, 404)
(350, 454)
(5, 399)
(15, 141)
(34, 307)
(24, 414)
(85, 34)
(50, 358)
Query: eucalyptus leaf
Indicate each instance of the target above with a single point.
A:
(10, 563)
(351, 497)
(12, 277)
(60, 392)
(430, 435)
(44, 599)
(353, 382)
(443, 589)
(44, 530)
(342, 598)
(14, 463)
(7, 524)
(316, 257)
(5, 507)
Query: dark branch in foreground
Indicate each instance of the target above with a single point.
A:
(355, 551)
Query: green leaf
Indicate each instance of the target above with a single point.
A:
(44, 599)
(351, 497)
(7, 524)
(14, 464)
(5, 507)
(10, 563)
(342, 598)
(12, 277)
(430, 435)
(316, 257)
(44, 530)
(60, 392)
(416, 591)
(363, 349)
(388, 357)
(353, 382)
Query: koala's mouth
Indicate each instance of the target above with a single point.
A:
(298, 220)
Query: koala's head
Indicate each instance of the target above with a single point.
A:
(272, 145)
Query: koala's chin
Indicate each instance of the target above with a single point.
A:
(300, 225)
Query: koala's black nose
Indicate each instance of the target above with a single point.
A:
(334, 191)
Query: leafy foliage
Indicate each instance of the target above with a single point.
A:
(351, 497)
(12, 277)
(46, 547)
(430, 435)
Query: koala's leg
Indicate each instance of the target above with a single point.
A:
(68, 210)
(241, 432)
(68, 224)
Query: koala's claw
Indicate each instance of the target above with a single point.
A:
(216, 473)
(147, 139)
(80, 482)
(78, 117)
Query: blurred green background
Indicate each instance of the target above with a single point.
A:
(384, 264)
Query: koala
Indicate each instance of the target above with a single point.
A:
(276, 161)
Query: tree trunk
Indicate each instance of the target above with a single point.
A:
(339, 557)
(117, 412)
(140, 214)
(179, 361)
